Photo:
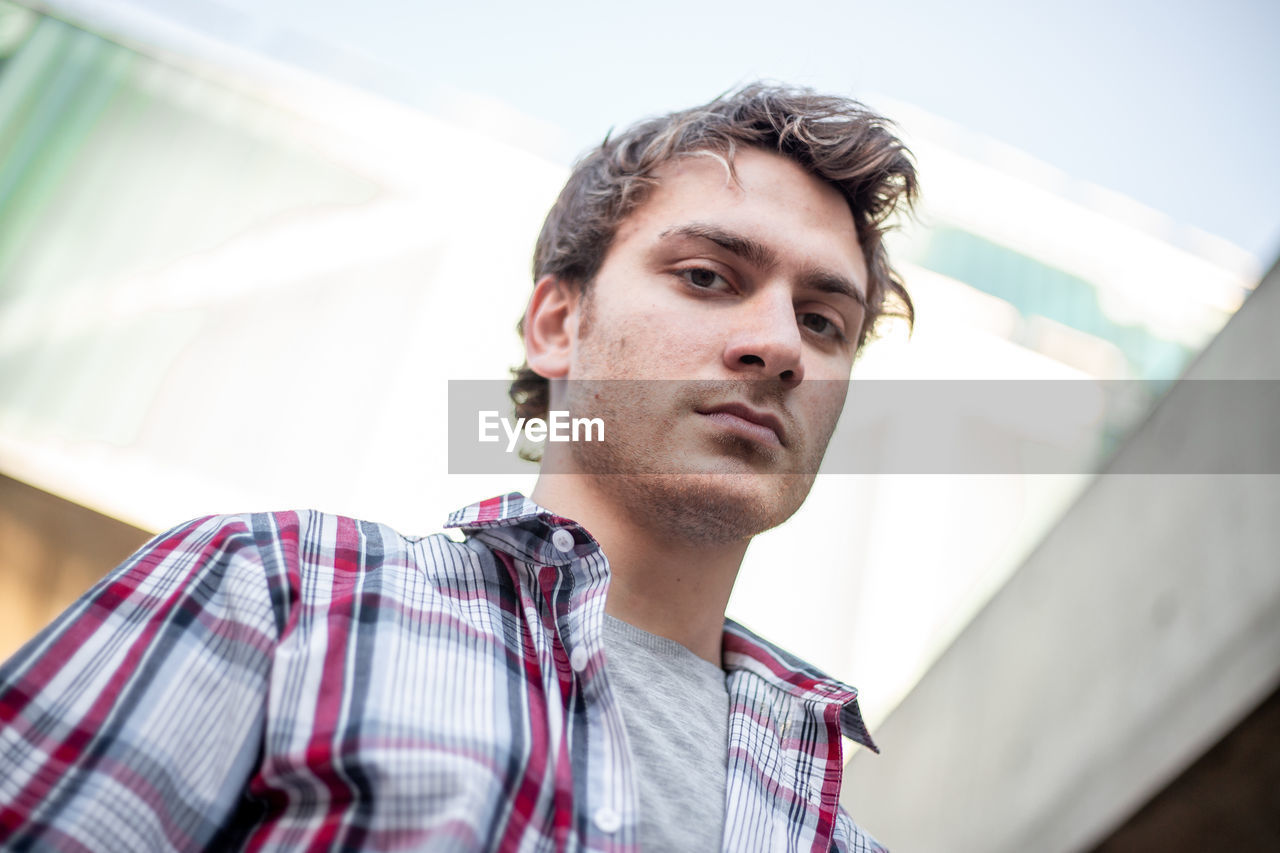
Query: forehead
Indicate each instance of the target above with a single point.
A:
(775, 201)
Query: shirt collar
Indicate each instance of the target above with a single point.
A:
(502, 511)
(524, 529)
(746, 650)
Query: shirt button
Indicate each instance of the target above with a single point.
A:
(563, 540)
(578, 659)
(607, 820)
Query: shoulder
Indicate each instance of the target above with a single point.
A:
(313, 560)
(305, 548)
(291, 539)
(278, 550)
(280, 560)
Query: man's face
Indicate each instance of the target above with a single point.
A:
(755, 290)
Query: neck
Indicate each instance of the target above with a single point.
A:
(660, 583)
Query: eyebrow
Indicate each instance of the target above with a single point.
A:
(758, 254)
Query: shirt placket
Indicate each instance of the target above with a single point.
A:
(605, 785)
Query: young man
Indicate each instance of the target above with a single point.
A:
(563, 678)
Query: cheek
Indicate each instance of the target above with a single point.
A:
(823, 410)
(654, 345)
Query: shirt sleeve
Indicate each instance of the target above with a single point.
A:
(134, 720)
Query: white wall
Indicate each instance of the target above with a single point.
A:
(1144, 626)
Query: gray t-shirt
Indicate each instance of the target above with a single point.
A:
(676, 709)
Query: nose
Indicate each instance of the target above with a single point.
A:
(767, 343)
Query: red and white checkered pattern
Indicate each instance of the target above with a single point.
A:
(307, 681)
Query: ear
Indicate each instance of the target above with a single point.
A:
(551, 327)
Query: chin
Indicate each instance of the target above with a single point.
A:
(709, 492)
(713, 508)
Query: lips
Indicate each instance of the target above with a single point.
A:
(762, 426)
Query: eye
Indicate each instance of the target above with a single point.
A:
(704, 279)
(821, 324)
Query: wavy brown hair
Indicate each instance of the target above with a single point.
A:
(838, 139)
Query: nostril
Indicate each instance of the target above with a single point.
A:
(787, 375)
(752, 359)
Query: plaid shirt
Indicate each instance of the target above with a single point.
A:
(309, 681)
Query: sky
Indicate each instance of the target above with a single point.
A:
(1171, 103)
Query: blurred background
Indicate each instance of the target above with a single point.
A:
(244, 246)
